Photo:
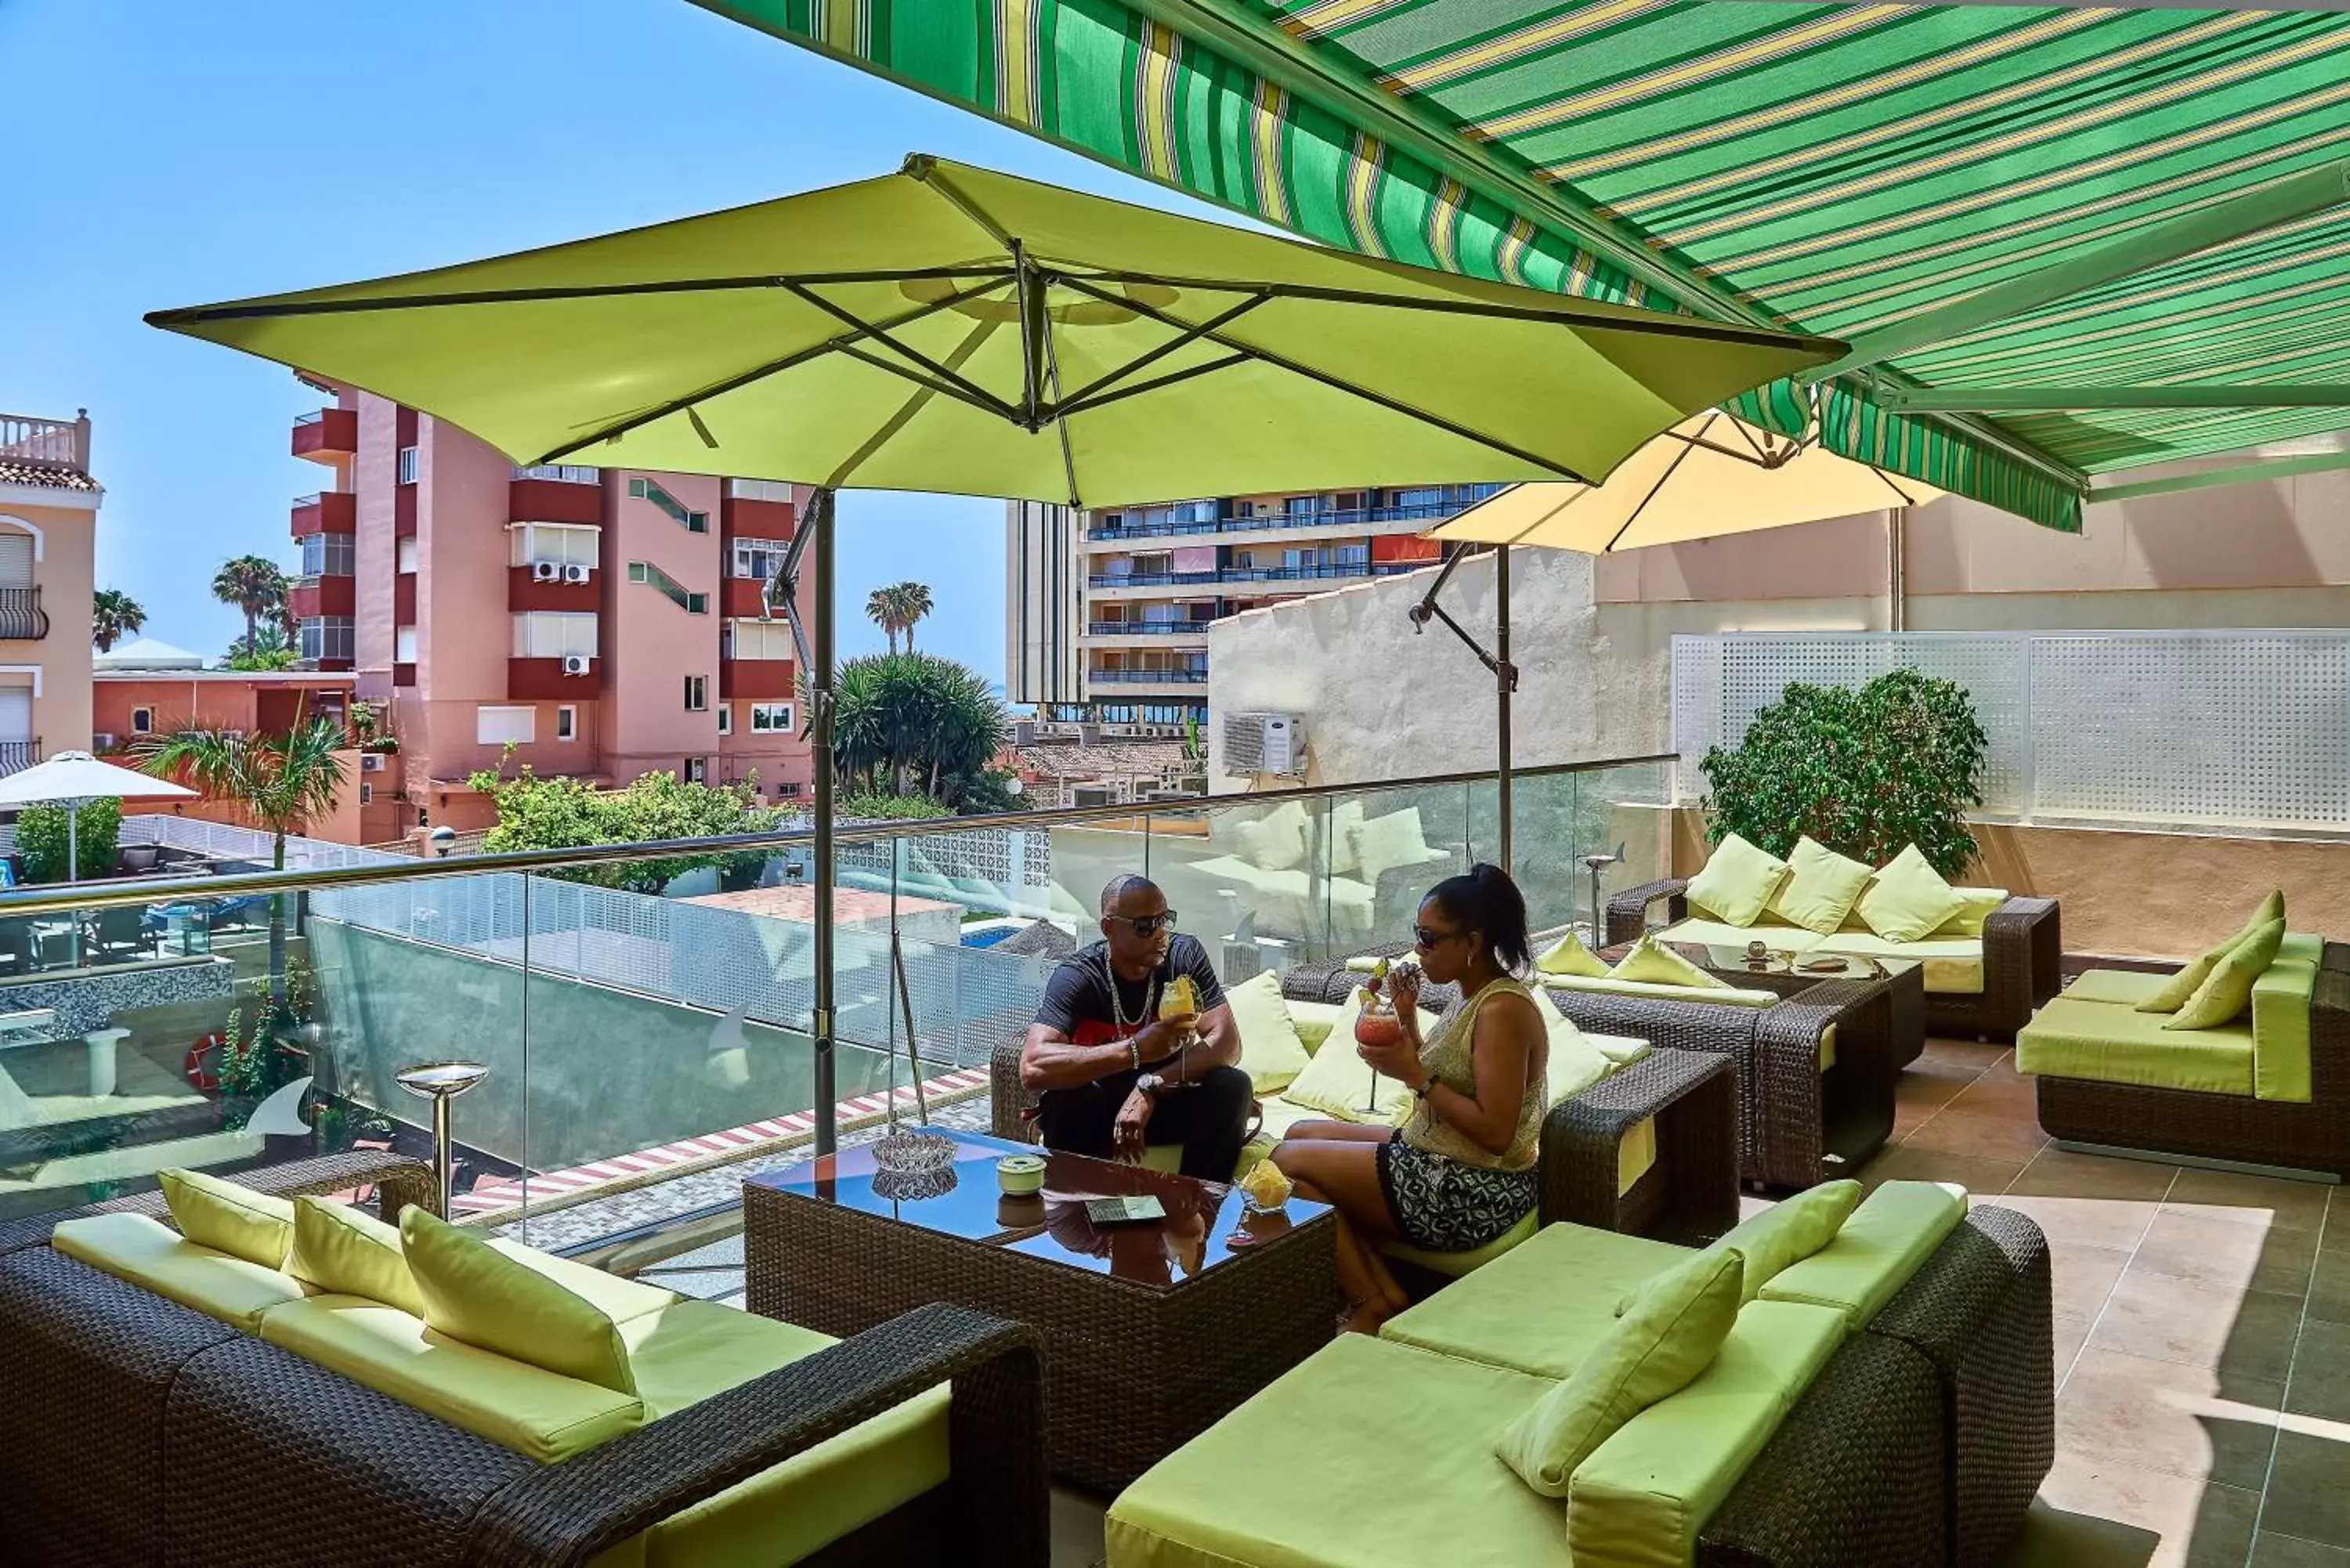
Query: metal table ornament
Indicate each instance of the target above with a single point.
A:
(908, 1152)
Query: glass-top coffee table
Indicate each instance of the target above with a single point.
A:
(1151, 1331)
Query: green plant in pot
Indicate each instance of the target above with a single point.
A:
(1864, 771)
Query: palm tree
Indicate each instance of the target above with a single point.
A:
(913, 604)
(896, 609)
(283, 779)
(900, 719)
(114, 616)
(254, 585)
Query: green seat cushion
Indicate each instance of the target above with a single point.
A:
(1609, 985)
(1620, 1049)
(1272, 1053)
(1908, 898)
(1541, 1308)
(1667, 1336)
(1569, 956)
(543, 1414)
(2282, 999)
(345, 1251)
(1874, 1251)
(1381, 1453)
(1652, 962)
(1821, 887)
(1776, 935)
(1453, 1265)
(2226, 995)
(2109, 1045)
(1640, 1499)
(228, 1216)
(2114, 987)
(1954, 965)
(685, 1354)
(1737, 883)
(150, 1255)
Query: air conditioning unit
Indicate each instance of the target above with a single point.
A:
(370, 761)
(574, 573)
(101, 743)
(1082, 796)
(576, 663)
(1264, 743)
(546, 572)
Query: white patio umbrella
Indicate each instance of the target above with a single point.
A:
(74, 779)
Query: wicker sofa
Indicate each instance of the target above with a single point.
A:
(2271, 1088)
(148, 1430)
(1889, 1400)
(1982, 986)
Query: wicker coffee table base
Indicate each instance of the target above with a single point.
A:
(1131, 1372)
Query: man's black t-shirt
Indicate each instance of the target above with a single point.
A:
(1078, 1000)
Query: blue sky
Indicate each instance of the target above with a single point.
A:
(166, 154)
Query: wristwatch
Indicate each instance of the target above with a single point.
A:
(1149, 1084)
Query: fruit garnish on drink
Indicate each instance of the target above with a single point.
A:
(1265, 1185)
(1181, 999)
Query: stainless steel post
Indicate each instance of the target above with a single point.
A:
(827, 1132)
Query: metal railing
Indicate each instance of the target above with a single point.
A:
(1323, 571)
(17, 755)
(21, 619)
(1334, 517)
(315, 416)
(1149, 676)
(562, 473)
(1147, 628)
(59, 444)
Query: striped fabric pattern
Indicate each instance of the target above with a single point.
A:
(1834, 168)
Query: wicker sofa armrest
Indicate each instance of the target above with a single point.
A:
(1007, 1096)
(1329, 979)
(1692, 1190)
(563, 1515)
(2023, 956)
(398, 1180)
(1627, 912)
(1788, 1101)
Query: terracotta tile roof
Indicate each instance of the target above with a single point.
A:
(45, 475)
(1079, 762)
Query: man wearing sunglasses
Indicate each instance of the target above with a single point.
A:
(1114, 1077)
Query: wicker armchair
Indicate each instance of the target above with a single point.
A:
(1689, 1193)
(2313, 1135)
(124, 1401)
(1797, 1125)
(2024, 950)
(398, 1180)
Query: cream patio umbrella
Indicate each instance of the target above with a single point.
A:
(951, 328)
(74, 779)
(1710, 476)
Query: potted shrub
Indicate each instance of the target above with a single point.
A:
(1866, 772)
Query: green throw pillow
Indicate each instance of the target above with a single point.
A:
(1781, 1236)
(1821, 887)
(1651, 960)
(2223, 996)
(1737, 882)
(345, 1251)
(1671, 1335)
(2183, 985)
(1272, 1052)
(476, 1294)
(1907, 899)
(1570, 957)
(229, 1218)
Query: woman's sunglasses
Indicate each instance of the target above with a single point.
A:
(1427, 939)
(1148, 925)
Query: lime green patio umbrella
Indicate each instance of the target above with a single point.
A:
(948, 329)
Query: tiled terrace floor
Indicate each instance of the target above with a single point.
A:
(2202, 1338)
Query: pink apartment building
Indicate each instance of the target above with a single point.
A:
(605, 623)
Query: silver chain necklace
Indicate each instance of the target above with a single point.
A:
(1117, 1003)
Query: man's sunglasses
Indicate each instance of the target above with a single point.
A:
(1147, 925)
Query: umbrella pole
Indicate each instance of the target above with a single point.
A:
(1505, 680)
(827, 1131)
(73, 871)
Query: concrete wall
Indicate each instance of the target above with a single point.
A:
(577, 1072)
(650, 642)
(59, 666)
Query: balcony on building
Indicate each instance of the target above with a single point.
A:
(774, 679)
(325, 641)
(559, 679)
(554, 566)
(762, 508)
(21, 619)
(315, 597)
(19, 754)
(324, 435)
(1149, 632)
(403, 599)
(555, 492)
(326, 512)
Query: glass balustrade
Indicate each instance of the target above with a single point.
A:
(645, 1013)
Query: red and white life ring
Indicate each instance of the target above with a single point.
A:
(194, 1065)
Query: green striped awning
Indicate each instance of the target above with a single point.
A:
(1836, 169)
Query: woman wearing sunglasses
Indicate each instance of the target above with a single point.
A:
(1461, 1171)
